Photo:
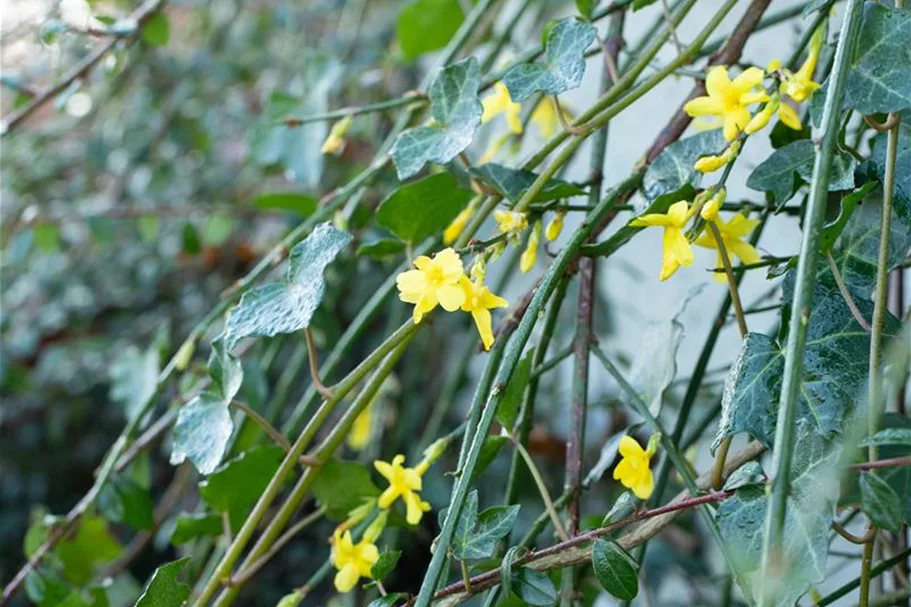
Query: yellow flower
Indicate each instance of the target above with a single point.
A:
(353, 561)
(480, 301)
(501, 103)
(676, 250)
(361, 430)
(545, 118)
(455, 228)
(789, 117)
(799, 86)
(710, 164)
(729, 99)
(732, 235)
(404, 483)
(633, 470)
(510, 222)
(530, 254)
(336, 139)
(436, 281)
(762, 117)
(555, 226)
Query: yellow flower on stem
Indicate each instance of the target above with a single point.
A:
(789, 117)
(499, 102)
(479, 301)
(336, 139)
(435, 281)
(457, 225)
(633, 471)
(510, 222)
(733, 234)
(362, 429)
(799, 85)
(729, 98)
(530, 254)
(405, 483)
(676, 249)
(353, 561)
(555, 226)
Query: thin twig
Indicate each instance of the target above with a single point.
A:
(670, 25)
(542, 489)
(843, 289)
(561, 117)
(890, 122)
(263, 423)
(314, 366)
(860, 540)
(883, 463)
(244, 575)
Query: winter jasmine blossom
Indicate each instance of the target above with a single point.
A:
(479, 301)
(729, 98)
(435, 281)
(405, 483)
(633, 471)
(676, 250)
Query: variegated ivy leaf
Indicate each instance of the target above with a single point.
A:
(564, 62)
(513, 183)
(776, 174)
(673, 168)
(288, 306)
(476, 535)
(456, 114)
(202, 431)
(810, 508)
(880, 76)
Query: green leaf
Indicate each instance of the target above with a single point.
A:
(216, 230)
(191, 244)
(508, 409)
(427, 25)
(585, 7)
(226, 371)
(673, 168)
(201, 432)
(506, 570)
(91, 545)
(47, 237)
(302, 204)
(639, 4)
(835, 370)
(880, 502)
(292, 599)
(491, 448)
(880, 76)
(775, 174)
(456, 112)
(422, 208)
(134, 378)
(379, 249)
(45, 588)
(122, 500)
(236, 486)
(615, 570)
(164, 589)
(898, 477)
(533, 587)
(809, 513)
(814, 5)
(388, 600)
(832, 230)
(476, 535)
(564, 62)
(189, 526)
(889, 436)
(624, 506)
(157, 30)
(750, 473)
(343, 486)
(286, 307)
(385, 565)
(513, 183)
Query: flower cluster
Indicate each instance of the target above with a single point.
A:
(442, 281)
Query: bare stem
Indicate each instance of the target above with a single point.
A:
(843, 289)
(542, 489)
(261, 421)
(314, 366)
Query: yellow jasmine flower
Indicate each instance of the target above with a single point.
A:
(530, 254)
(545, 118)
(788, 116)
(455, 228)
(353, 561)
(510, 222)
(501, 103)
(733, 234)
(404, 483)
(762, 117)
(799, 86)
(480, 301)
(436, 281)
(555, 226)
(676, 250)
(729, 98)
(633, 471)
(362, 429)
(336, 139)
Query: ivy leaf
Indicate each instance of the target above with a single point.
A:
(880, 76)
(533, 587)
(164, 589)
(342, 486)
(513, 183)
(201, 432)
(286, 307)
(476, 535)
(378, 249)
(776, 174)
(236, 486)
(427, 25)
(889, 436)
(134, 378)
(835, 369)
(189, 526)
(226, 371)
(750, 473)
(122, 500)
(673, 168)
(832, 230)
(508, 409)
(880, 502)
(417, 210)
(385, 565)
(302, 204)
(810, 509)
(615, 570)
(91, 545)
(894, 426)
(456, 113)
(564, 62)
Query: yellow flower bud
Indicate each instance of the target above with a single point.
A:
(773, 66)
(710, 164)
(478, 270)
(457, 226)
(530, 254)
(336, 139)
(762, 117)
(376, 526)
(710, 209)
(183, 356)
(555, 226)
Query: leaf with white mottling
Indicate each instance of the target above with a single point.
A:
(673, 168)
(202, 432)
(879, 79)
(776, 174)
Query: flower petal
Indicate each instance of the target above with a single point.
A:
(748, 79)
(422, 262)
(385, 469)
(630, 447)
(643, 489)
(346, 578)
(484, 323)
(387, 497)
(717, 81)
(744, 251)
(703, 106)
(451, 297)
(789, 117)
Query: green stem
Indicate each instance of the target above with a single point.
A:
(804, 287)
(542, 489)
(875, 571)
(413, 97)
(552, 362)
